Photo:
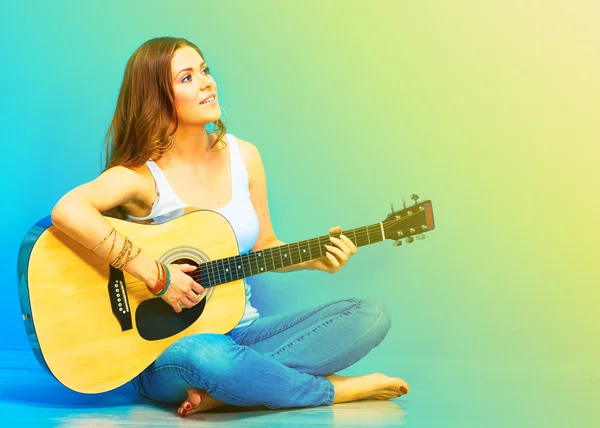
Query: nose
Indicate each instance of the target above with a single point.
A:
(205, 80)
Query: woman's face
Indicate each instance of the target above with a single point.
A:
(194, 89)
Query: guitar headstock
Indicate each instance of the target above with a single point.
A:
(409, 222)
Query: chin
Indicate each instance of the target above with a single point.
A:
(215, 117)
(203, 121)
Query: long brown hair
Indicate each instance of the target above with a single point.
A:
(145, 107)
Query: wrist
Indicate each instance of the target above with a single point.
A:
(164, 280)
(308, 265)
(143, 267)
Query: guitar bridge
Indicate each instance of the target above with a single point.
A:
(117, 294)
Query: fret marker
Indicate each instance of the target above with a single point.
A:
(239, 267)
(261, 268)
(226, 270)
(258, 254)
(304, 251)
(285, 255)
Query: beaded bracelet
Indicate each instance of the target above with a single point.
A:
(124, 255)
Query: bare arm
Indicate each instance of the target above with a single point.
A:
(258, 196)
(78, 215)
(335, 257)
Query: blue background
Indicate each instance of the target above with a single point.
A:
(488, 109)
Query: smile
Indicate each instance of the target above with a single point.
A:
(208, 100)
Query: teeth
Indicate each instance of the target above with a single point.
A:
(208, 100)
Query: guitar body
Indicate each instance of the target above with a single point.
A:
(95, 328)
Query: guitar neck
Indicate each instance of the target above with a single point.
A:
(238, 267)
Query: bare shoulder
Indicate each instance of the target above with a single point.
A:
(129, 177)
(122, 185)
(248, 151)
(252, 160)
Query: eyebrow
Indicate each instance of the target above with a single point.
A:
(202, 64)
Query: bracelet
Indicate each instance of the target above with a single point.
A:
(113, 246)
(115, 263)
(160, 283)
(168, 282)
(132, 256)
(125, 255)
(105, 238)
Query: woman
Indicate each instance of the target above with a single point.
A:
(161, 159)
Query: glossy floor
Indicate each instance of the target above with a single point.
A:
(31, 397)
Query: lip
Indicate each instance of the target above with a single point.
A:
(210, 95)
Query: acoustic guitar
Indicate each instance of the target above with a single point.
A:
(94, 328)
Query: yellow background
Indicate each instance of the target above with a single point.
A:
(489, 109)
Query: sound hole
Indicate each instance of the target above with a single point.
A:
(156, 319)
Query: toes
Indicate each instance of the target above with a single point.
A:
(193, 401)
(194, 397)
(403, 387)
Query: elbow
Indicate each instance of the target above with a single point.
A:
(59, 213)
(64, 212)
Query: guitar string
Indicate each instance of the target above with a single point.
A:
(217, 273)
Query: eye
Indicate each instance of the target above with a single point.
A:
(185, 77)
(206, 70)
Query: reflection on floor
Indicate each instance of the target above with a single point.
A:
(445, 392)
(31, 397)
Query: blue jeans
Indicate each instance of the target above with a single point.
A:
(277, 361)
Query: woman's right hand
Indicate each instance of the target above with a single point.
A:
(183, 291)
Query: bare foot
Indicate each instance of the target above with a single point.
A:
(374, 386)
(198, 401)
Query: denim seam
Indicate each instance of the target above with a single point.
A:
(330, 393)
(246, 402)
(331, 319)
(202, 381)
(357, 339)
(325, 321)
(287, 327)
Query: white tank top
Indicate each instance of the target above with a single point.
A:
(239, 211)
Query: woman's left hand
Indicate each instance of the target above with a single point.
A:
(337, 254)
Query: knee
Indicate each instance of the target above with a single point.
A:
(377, 319)
(207, 355)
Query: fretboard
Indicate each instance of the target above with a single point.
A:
(237, 267)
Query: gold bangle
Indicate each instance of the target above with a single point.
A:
(131, 256)
(113, 246)
(160, 271)
(117, 263)
(126, 253)
(105, 238)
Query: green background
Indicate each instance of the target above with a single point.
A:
(489, 109)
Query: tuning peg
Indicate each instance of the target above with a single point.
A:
(397, 243)
(410, 240)
(421, 236)
(392, 206)
(404, 203)
(415, 198)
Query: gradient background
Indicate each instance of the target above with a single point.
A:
(489, 109)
